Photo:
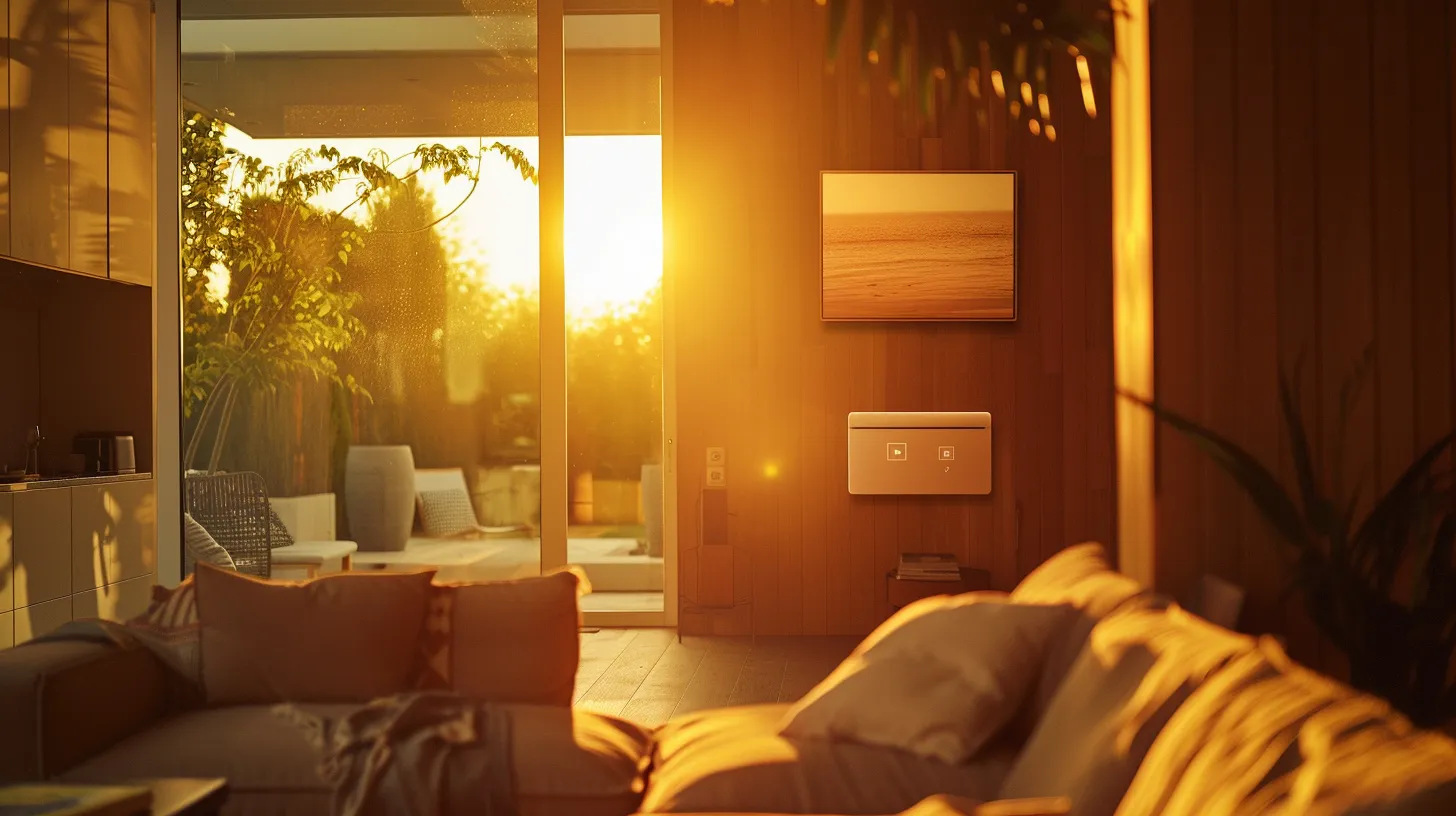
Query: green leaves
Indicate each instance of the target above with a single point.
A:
(954, 43)
(1399, 633)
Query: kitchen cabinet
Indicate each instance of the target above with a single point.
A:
(77, 137)
(86, 132)
(41, 619)
(7, 554)
(130, 144)
(113, 533)
(121, 601)
(79, 551)
(42, 546)
(39, 79)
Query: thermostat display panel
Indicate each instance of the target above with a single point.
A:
(920, 453)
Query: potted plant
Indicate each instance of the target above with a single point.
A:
(1382, 589)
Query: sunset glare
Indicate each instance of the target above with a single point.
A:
(613, 212)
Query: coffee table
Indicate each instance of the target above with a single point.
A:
(187, 797)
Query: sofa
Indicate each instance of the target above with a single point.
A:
(1138, 709)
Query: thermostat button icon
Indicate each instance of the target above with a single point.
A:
(947, 453)
(897, 451)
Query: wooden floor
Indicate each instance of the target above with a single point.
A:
(647, 676)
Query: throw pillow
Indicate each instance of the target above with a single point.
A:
(278, 535)
(348, 637)
(1137, 670)
(203, 548)
(445, 513)
(169, 628)
(1082, 577)
(505, 641)
(939, 679)
(1266, 735)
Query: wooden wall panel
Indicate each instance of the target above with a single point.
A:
(1302, 212)
(758, 116)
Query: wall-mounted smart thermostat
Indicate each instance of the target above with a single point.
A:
(920, 453)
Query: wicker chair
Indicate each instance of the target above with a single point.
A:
(234, 509)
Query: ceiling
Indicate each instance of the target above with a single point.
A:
(418, 75)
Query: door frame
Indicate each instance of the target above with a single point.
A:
(551, 119)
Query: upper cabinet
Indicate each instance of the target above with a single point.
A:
(130, 144)
(80, 157)
(40, 143)
(86, 98)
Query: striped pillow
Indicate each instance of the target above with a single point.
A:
(171, 630)
(202, 546)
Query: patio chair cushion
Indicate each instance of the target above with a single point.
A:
(202, 546)
(278, 535)
(446, 513)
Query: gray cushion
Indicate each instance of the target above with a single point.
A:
(1136, 670)
(733, 760)
(447, 512)
(566, 763)
(202, 546)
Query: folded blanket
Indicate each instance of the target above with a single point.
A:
(418, 754)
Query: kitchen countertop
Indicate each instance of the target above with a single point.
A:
(45, 482)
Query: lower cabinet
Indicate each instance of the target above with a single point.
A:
(77, 552)
(120, 601)
(33, 621)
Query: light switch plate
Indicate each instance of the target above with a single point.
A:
(717, 456)
(717, 476)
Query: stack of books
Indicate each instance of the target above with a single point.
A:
(928, 567)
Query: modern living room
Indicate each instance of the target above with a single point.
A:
(785, 407)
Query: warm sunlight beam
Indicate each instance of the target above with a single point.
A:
(613, 213)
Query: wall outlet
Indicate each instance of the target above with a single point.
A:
(717, 476)
(717, 456)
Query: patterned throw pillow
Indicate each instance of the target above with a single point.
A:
(447, 513)
(278, 535)
(434, 653)
(202, 546)
(170, 629)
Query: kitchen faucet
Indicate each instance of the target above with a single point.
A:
(32, 451)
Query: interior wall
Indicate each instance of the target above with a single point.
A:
(77, 359)
(1302, 209)
(756, 119)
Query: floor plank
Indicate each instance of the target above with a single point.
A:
(649, 676)
(762, 674)
(598, 650)
(621, 680)
(712, 685)
(659, 694)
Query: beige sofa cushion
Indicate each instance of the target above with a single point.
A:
(1138, 668)
(939, 679)
(349, 637)
(565, 763)
(505, 641)
(1266, 735)
(734, 760)
(1082, 577)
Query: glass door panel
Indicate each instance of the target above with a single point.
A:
(368, 313)
(614, 309)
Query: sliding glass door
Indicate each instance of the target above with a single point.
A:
(362, 276)
(422, 283)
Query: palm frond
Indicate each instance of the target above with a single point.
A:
(1262, 486)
